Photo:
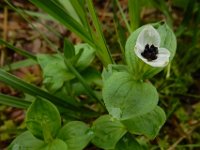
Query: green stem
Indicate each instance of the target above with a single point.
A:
(82, 80)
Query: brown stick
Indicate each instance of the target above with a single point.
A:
(5, 31)
(172, 147)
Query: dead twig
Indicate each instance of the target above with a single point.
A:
(5, 31)
(172, 147)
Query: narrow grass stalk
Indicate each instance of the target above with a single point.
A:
(18, 50)
(82, 80)
(105, 53)
(123, 16)
(14, 101)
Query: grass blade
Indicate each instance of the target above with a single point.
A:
(13, 101)
(123, 16)
(105, 53)
(35, 91)
(31, 89)
(134, 13)
(80, 11)
(70, 9)
(18, 50)
(119, 29)
(63, 17)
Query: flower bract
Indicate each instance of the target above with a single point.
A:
(148, 48)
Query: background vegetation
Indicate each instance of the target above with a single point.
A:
(27, 27)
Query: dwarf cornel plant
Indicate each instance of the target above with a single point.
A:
(125, 99)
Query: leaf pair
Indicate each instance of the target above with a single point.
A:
(45, 133)
(134, 103)
(110, 133)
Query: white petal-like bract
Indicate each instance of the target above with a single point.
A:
(150, 36)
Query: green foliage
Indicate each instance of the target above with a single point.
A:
(26, 141)
(76, 134)
(125, 90)
(52, 64)
(87, 33)
(55, 145)
(107, 132)
(148, 124)
(43, 120)
(125, 98)
(127, 142)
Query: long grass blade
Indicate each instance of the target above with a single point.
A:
(18, 50)
(123, 16)
(13, 101)
(35, 91)
(119, 29)
(134, 13)
(70, 9)
(53, 9)
(101, 40)
(80, 11)
(31, 89)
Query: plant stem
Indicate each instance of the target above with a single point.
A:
(82, 80)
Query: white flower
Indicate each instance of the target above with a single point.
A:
(148, 48)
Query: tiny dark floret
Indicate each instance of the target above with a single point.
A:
(150, 52)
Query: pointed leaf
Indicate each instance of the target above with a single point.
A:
(69, 50)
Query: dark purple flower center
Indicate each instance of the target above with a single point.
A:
(150, 52)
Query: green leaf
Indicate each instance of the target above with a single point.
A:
(78, 6)
(69, 50)
(26, 141)
(13, 101)
(76, 134)
(128, 143)
(86, 57)
(55, 72)
(148, 124)
(56, 144)
(70, 9)
(125, 98)
(134, 7)
(43, 120)
(107, 72)
(168, 39)
(107, 132)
